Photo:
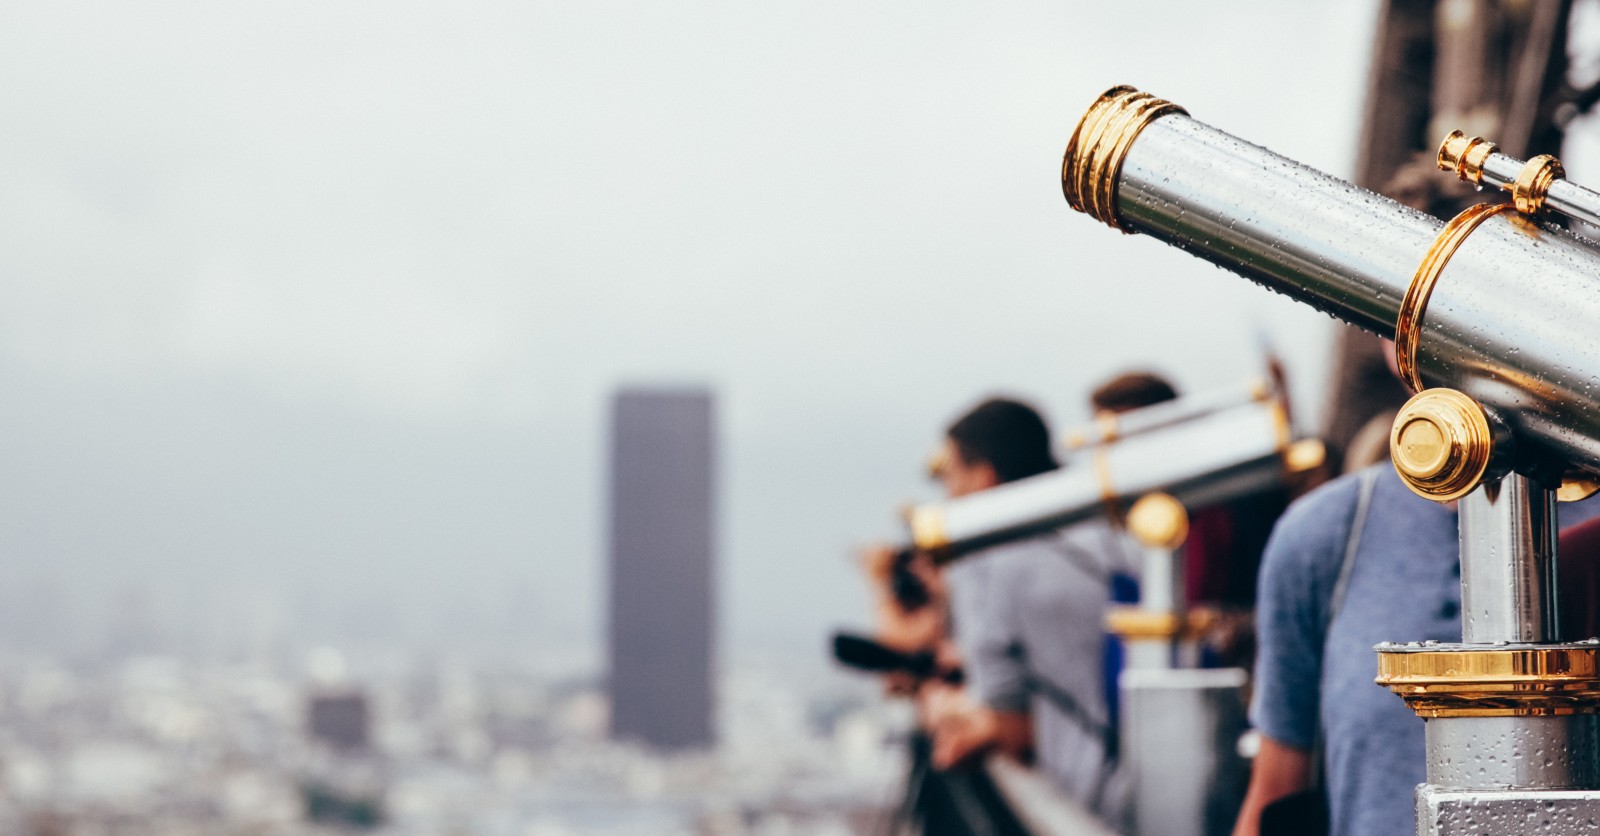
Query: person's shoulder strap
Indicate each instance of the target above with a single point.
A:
(1352, 544)
(1368, 482)
(1082, 557)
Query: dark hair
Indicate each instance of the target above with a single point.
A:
(1127, 392)
(1007, 435)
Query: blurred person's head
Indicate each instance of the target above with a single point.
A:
(1370, 444)
(1134, 390)
(997, 441)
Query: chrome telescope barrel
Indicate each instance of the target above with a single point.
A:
(1108, 428)
(1221, 456)
(1492, 304)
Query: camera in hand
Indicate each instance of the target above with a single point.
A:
(865, 654)
(909, 590)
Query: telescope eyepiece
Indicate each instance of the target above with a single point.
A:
(1465, 156)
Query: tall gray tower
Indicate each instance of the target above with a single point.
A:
(660, 627)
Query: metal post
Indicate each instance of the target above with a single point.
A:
(1179, 725)
(1508, 563)
(1508, 595)
(1160, 597)
(1493, 768)
(1151, 632)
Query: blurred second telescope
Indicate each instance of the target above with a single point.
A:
(1201, 456)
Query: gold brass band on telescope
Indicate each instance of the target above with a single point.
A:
(1408, 329)
(1107, 423)
(1108, 491)
(1106, 430)
(1465, 155)
(1093, 162)
(1282, 429)
(1132, 623)
(927, 527)
(1577, 485)
(1305, 455)
(1530, 681)
(1533, 183)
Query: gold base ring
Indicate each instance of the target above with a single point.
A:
(1472, 681)
(1133, 624)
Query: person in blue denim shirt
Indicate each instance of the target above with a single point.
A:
(1404, 585)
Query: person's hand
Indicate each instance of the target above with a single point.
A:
(932, 577)
(963, 736)
(961, 729)
(909, 632)
(937, 700)
(877, 562)
(947, 655)
(905, 630)
(900, 684)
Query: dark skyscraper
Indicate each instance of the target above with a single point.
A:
(661, 616)
(339, 718)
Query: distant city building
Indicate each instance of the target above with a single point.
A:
(660, 615)
(339, 718)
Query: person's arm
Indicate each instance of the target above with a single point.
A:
(962, 729)
(1298, 570)
(996, 715)
(1279, 771)
(1013, 734)
(897, 627)
(960, 736)
(990, 638)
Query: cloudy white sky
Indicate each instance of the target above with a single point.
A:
(335, 293)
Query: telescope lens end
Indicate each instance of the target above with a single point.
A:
(1093, 162)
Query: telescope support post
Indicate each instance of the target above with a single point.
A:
(1160, 596)
(1536, 767)
(1512, 738)
(1508, 563)
(1181, 782)
(1153, 631)
(1161, 580)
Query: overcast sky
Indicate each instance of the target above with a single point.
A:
(335, 293)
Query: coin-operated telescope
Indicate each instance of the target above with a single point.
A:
(1207, 450)
(1145, 468)
(1109, 427)
(1501, 313)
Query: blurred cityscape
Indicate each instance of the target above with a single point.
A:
(131, 740)
(343, 704)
